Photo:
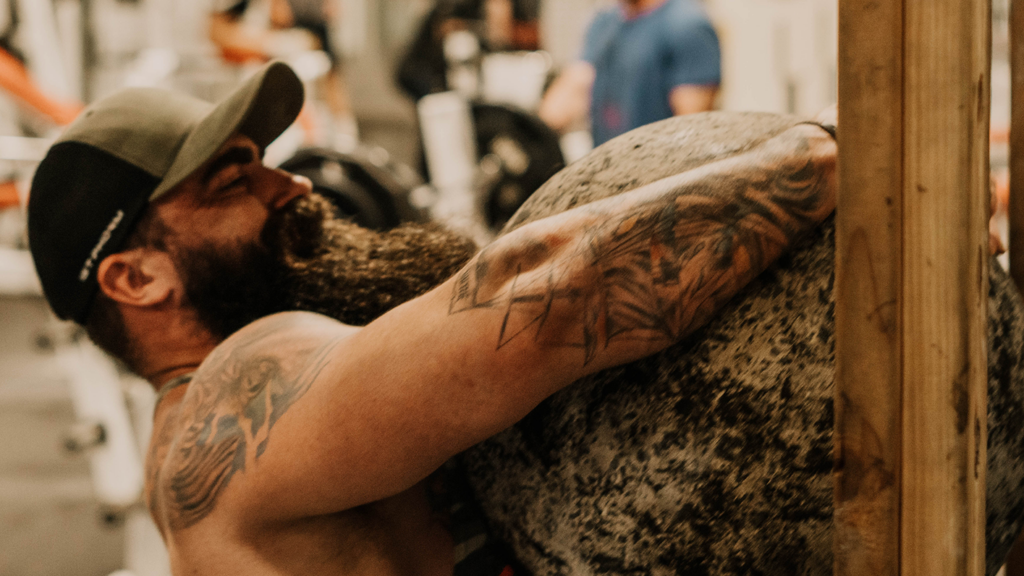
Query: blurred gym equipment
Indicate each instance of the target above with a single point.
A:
(484, 159)
(517, 153)
(486, 152)
(365, 185)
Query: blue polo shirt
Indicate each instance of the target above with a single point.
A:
(640, 60)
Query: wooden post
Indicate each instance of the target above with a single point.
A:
(1017, 142)
(868, 265)
(911, 287)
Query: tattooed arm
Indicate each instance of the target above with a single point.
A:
(371, 413)
(628, 275)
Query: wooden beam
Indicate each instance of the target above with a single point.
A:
(868, 264)
(947, 56)
(911, 287)
(1017, 143)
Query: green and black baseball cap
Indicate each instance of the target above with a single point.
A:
(125, 151)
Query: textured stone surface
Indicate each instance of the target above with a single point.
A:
(648, 154)
(714, 456)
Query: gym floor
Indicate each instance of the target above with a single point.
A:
(49, 519)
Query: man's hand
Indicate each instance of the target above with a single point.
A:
(828, 116)
(240, 43)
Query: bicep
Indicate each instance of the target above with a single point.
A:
(297, 415)
(439, 374)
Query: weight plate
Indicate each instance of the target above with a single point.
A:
(364, 185)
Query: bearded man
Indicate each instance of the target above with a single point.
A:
(289, 442)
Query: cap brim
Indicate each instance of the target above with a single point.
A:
(262, 108)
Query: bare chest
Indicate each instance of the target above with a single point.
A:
(357, 542)
(397, 536)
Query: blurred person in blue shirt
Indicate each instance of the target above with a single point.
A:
(643, 61)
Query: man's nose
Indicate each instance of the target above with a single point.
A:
(287, 187)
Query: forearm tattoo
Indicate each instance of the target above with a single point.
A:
(230, 417)
(657, 266)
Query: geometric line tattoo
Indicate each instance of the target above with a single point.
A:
(650, 257)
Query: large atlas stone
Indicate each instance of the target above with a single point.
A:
(714, 456)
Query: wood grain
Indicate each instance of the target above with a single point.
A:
(945, 193)
(868, 261)
(911, 286)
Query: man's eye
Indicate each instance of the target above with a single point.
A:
(239, 181)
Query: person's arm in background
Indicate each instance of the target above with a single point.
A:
(240, 43)
(567, 101)
(690, 99)
(695, 67)
(235, 43)
(16, 80)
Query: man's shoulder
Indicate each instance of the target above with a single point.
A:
(280, 347)
(602, 29)
(288, 321)
(682, 15)
(224, 419)
(272, 332)
(605, 18)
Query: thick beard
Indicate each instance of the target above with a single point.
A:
(309, 259)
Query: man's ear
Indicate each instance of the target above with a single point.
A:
(140, 277)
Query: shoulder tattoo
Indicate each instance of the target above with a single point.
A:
(226, 418)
